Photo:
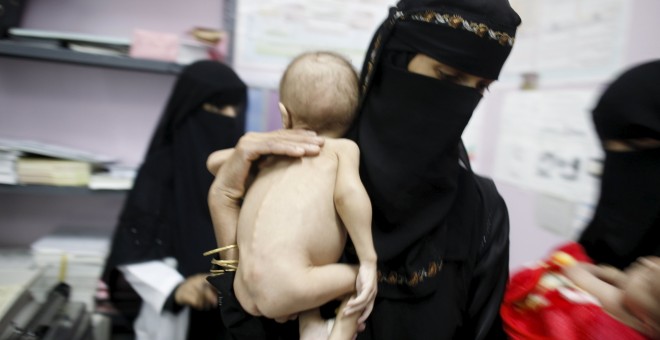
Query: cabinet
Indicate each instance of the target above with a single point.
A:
(29, 212)
(97, 103)
(103, 104)
(18, 50)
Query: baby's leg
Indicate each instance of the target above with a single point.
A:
(313, 326)
(326, 283)
(308, 288)
(344, 327)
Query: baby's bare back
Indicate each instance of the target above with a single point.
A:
(287, 224)
(289, 214)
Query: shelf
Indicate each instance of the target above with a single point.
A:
(56, 190)
(23, 51)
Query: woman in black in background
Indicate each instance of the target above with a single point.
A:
(165, 224)
(626, 224)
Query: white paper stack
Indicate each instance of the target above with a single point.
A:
(51, 171)
(33, 162)
(114, 177)
(54, 151)
(76, 256)
(8, 159)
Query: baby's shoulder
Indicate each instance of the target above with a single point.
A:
(341, 145)
(341, 149)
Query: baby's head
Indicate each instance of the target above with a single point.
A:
(641, 294)
(319, 92)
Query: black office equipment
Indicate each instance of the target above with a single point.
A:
(11, 12)
(56, 318)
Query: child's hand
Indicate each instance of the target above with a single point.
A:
(367, 287)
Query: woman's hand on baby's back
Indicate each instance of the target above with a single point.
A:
(233, 178)
(288, 142)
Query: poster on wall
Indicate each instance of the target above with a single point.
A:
(269, 33)
(569, 41)
(547, 144)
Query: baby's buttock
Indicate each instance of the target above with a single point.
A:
(288, 224)
(299, 246)
(271, 267)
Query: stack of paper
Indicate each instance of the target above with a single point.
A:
(113, 177)
(86, 43)
(8, 166)
(52, 171)
(53, 150)
(33, 162)
(75, 256)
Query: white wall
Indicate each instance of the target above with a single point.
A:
(530, 241)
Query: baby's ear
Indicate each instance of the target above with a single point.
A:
(286, 117)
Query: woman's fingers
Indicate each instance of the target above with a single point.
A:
(196, 293)
(295, 143)
(234, 174)
(365, 314)
(210, 296)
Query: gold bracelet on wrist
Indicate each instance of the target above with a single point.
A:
(224, 265)
(221, 249)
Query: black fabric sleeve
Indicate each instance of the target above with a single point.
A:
(170, 304)
(491, 271)
(238, 322)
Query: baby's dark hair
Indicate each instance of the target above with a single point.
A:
(320, 91)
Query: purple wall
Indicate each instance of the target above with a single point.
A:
(102, 110)
(120, 17)
(108, 111)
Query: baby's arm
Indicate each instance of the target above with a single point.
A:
(354, 209)
(583, 276)
(594, 280)
(224, 203)
(609, 274)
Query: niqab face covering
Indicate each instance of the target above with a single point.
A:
(198, 136)
(427, 209)
(626, 224)
(409, 130)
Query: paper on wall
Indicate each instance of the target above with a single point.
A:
(547, 143)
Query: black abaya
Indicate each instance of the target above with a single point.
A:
(166, 213)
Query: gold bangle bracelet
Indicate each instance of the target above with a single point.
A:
(228, 264)
(221, 249)
(225, 265)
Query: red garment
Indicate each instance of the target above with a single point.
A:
(542, 304)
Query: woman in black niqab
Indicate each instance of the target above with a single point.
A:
(166, 214)
(440, 231)
(626, 224)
